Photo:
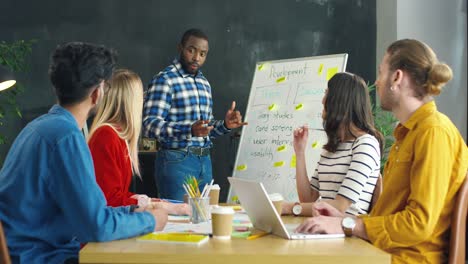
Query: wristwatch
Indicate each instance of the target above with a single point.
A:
(297, 209)
(348, 224)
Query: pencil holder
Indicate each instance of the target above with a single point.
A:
(200, 209)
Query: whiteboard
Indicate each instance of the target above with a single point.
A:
(285, 94)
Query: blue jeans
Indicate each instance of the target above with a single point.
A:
(173, 166)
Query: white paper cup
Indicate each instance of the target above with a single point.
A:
(221, 222)
(214, 194)
(277, 200)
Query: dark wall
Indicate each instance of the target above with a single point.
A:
(145, 33)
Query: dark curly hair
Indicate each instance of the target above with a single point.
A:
(76, 67)
(193, 32)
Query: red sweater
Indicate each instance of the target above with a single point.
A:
(112, 166)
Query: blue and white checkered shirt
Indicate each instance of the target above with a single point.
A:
(174, 101)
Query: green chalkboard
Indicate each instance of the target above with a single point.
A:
(145, 34)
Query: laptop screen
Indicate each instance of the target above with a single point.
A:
(259, 208)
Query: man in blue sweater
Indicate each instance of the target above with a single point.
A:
(49, 199)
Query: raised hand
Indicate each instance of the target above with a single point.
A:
(301, 135)
(233, 118)
(201, 128)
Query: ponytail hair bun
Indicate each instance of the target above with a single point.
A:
(437, 77)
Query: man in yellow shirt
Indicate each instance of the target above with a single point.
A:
(425, 168)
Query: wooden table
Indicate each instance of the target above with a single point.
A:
(268, 249)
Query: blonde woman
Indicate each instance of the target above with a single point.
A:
(113, 141)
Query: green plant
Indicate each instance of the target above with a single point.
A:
(385, 122)
(13, 56)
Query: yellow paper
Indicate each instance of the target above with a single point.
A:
(281, 148)
(281, 79)
(261, 66)
(272, 107)
(293, 161)
(320, 69)
(331, 72)
(236, 207)
(315, 144)
(178, 238)
(278, 164)
(299, 106)
(242, 167)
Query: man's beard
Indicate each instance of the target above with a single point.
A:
(387, 101)
(186, 65)
(92, 112)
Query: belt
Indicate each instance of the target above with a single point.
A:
(198, 151)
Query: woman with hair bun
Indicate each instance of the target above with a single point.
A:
(426, 165)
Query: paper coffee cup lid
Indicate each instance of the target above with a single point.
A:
(222, 210)
(275, 196)
(215, 187)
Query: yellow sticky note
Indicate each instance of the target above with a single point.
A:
(293, 161)
(236, 207)
(331, 72)
(281, 148)
(278, 164)
(299, 106)
(315, 144)
(272, 107)
(261, 66)
(281, 79)
(235, 199)
(242, 167)
(320, 69)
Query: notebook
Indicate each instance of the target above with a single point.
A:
(262, 213)
(177, 238)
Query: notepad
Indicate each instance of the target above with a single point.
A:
(176, 238)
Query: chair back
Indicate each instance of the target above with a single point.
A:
(4, 254)
(458, 226)
(377, 191)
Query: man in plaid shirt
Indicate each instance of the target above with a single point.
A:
(178, 113)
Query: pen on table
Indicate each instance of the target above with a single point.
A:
(255, 236)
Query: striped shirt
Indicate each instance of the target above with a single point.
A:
(352, 172)
(174, 101)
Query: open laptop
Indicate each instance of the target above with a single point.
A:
(262, 213)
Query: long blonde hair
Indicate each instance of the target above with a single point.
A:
(121, 108)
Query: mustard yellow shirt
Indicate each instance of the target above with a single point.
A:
(425, 168)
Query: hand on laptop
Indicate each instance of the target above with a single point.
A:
(321, 225)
